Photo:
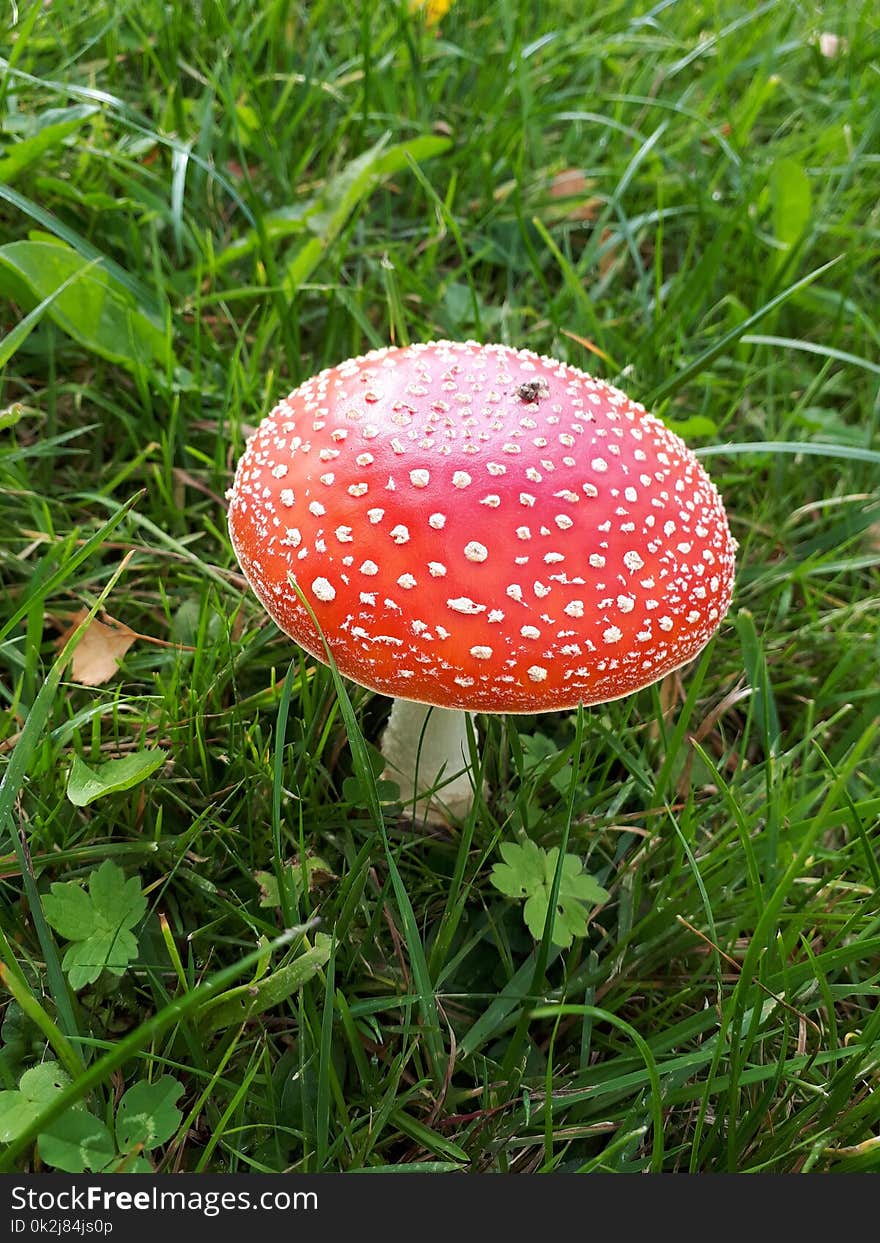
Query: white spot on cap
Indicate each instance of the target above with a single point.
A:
(626, 604)
(665, 623)
(481, 653)
(279, 471)
(328, 479)
(369, 567)
(523, 533)
(597, 561)
(461, 479)
(344, 535)
(407, 581)
(530, 632)
(358, 489)
(496, 468)
(599, 465)
(515, 592)
(375, 515)
(475, 551)
(400, 534)
(632, 560)
(575, 608)
(286, 497)
(537, 673)
(324, 590)
(368, 597)
(437, 521)
(419, 478)
(526, 498)
(563, 522)
(612, 634)
(631, 495)
(463, 604)
(317, 509)
(436, 569)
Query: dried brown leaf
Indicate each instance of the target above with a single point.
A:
(100, 649)
(607, 257)
(572, 188)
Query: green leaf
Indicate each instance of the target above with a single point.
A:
(528, 871)
(75, 1142)
(22, 330)
(12, 414)
(522, 870)
(791, 203)
(319, 873)
(69, 910)
(248, 1000)
(98, 311)
(48, 131)
(353, 791)
(270, 895)
(35, 1089)
(326, 213)
(695, 425)
(147, 1114)
(85, 784)
(97, 924)
(343, 193)
(85, 960)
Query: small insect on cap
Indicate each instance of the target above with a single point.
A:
(483, 528)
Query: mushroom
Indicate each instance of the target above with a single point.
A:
(478, 529)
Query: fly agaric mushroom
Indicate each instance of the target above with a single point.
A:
(478, 529)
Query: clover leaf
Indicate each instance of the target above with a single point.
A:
(35, 1090)
(75, 1142)
(97, 922)
(147, 1114)
(527, 872)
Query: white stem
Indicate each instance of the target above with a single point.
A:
(432, 756)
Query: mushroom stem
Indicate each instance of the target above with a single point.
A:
(426, 752)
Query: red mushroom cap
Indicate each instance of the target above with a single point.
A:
(483, 528)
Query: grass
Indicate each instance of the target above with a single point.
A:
(247, 193)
